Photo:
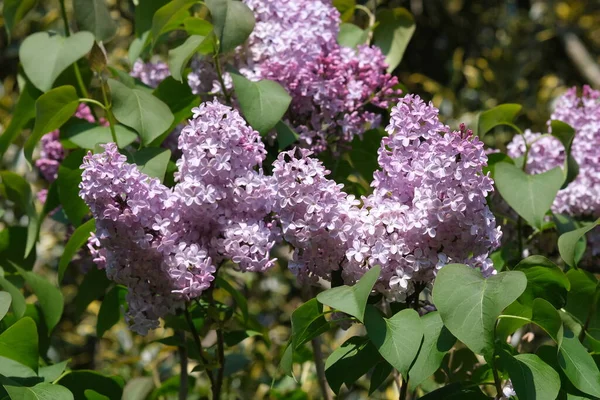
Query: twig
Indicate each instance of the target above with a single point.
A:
(581, 57)
(320, 367)
(183, 362)
(221, 354)
(196, 337)
(404, 388)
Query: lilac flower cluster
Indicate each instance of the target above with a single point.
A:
(428, 207)
(151, 73)
(294, 43)
(581, 198)
(166, 244)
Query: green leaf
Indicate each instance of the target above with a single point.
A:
(495, 159)
(544, 280)
(169, 15)
(437, 341)
(179, 98)
(233, 338)
(110, 309)
(531, 377)
(379, 375)
(346, 8)
(504, 114)
(469, 303)
(171, 386)
(393, 33)
(263, 103)
(180, 56)
(18, 191)
(364, 153)
(50, 373)
(13, 369)
(397, 339)
(137, 46)
(565, 133)
(308, 322)
(17, 299)
(529, 195)
(351, 35)
(93, 395)
(93, 16)
(81, 380)
(139, 110)
(233, 22)
(287, 360)
(197, 26)
(23, 112)
(153, 161)
(546, 317)
(41, 391)
(50, 298)
(456, 391)
(351, 299)
(94, 286)
(52, 110)
(286, 136)
(20, 343)
(45, 57)
(89, 136)
(78, 239)
(138, 388)
(239, 298)
(583, 299)
(144, 12)
(14, 11)
(354, 358)
(567, 242)
(5, 300)
(68, 181)
(578, 365)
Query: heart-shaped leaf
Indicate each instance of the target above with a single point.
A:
(469, 304)
(20, 343)
(397, 339)
(308, 322)
(578, 365)
(93, 16)
(233, 22)
(351, 35)
(152, 161)
(529, 195)
(44, 57)
(50, 373)
(568, 242)
(544, 280)
(263, 103)
(140, 110)
(41, 391)
(180, 56)
(504, 114)
(393, 33)
(52, 110)
(531, 377)
(89, 136)
(379, 375)
(437, 341)
(351, 299)
(539, 312)
(349, 362)
(78, 382)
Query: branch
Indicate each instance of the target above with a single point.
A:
(581, 57)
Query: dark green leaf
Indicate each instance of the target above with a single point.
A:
(137, 47)
(567, 242)
(545, 280)
(23, 112)
(393, 33)
(351, 35)
(397, 339)
(495, 159)
(233, 338)
(50, 298)
(437, 341)
(239, 298)
(138, 388)
(233, 22)
(286, 136)
(89, 136)
(578, 365)
(308, 322)
(346, 8)
(41, 391)
(110, 310)
(14, 11)
(197, 26)
(18, 191)
(78, 381)
(20, 343)
(169, 15)
(44, 57)
(180, 56)
(141, 111)
(469, 303)
(529, 195)
(52, 110)
(170, 386)
(531, 377)
(5, 300)
(287, 360)
(379, 375)
(93, 395)
(13, 369)
(69, 178)
(504, 114)
(144, 12)
(263, 103)
(364, 153)
(17, 299)
(50, 373)
(93, 16)
(565, 133)
(582, 300)
(153, 161)
(456, 391)
(354, 358)
(351, 299)
(94, 285)
(78, 239)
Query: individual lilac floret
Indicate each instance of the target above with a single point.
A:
(150, 73)
(428, 208)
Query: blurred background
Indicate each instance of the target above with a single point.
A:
(465, 56)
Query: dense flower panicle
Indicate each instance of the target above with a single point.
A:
(544, 151)
(428, 207)
(150, 73)
(317, 218)
(165, 244)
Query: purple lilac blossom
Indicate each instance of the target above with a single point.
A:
(294, 43)
(165, 244)
(150, 73)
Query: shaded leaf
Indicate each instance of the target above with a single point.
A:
(153, 161)
(69, 178)
(41, 391)
(531, 377)
(351, 35)
(578, 365)
(568, 242)
(23, 112)
(233, 22)
(180, 56)
(18, 191)
(76, 241)
(89, 136)
(14, 11)
(286, 136)
(18, 304)
(308, 322)
(393, 33)
(354, 358)
(20, 343)
(5, 300)
(110, 309)
(165, 16)
(138, 388)
(544, 280)
(379, 375)
(81, 380)
(503, 114)
(93, 16)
